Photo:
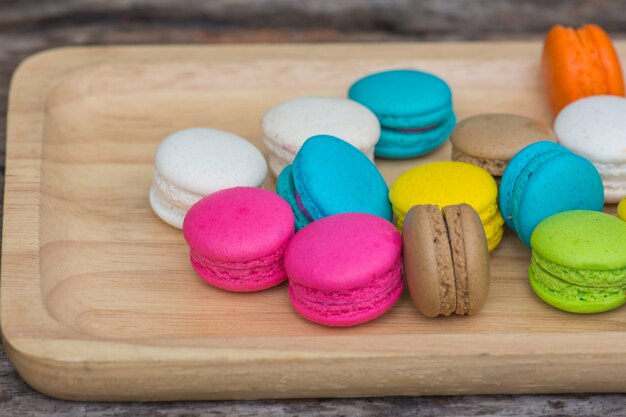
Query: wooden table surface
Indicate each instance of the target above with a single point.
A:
(30, 26)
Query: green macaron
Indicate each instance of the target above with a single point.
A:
(578, 261)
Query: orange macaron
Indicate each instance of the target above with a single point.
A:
(578, 63)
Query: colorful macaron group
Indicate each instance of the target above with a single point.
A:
(348, 244)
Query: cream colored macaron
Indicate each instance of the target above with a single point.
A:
(193, 163)
(491, 140)
(288, 125)
(595, 128)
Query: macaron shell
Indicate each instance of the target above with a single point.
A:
(397, 96)
(470, 254)
(582, 239)
(595, 128)
(610, 60)
(493, 230)
(519, 162)
(202, 161)
(579, 63)
(560, 67)
(331, 176)
(495, 136)
(343, 252)
(428, 265)
(621, 209)
(593, 80)
(239, 224)
(562, 183)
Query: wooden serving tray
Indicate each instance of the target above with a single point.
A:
(98, 299)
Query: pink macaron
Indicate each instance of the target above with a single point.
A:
(237, 238)
(345, 269)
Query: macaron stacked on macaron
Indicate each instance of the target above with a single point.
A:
(595, 128)
(544, 179)
(578, 261)
(288, 125)
(414, 109)
(194, 163)
(578, 63)
(491, 140)
(446, 259)
(330, 176)
(237, 238)
(345, 269)
(449, 183)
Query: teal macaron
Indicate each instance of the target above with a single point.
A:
(330, 176)
(578, 261)
(414, 109)
(543, 179)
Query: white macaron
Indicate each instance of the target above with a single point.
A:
(193, 163)
(595, 128)
(287, 125)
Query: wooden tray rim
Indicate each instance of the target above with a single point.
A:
(35, 354)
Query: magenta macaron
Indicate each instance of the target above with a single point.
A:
(237, 238)
(345, 269)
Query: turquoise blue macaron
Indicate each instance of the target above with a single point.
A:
(543, 179)
(329, 176)
(414, 109)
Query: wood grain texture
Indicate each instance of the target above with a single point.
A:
(98, 300)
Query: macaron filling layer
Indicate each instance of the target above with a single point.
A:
(413, 129)
(459, 263)
(416, 121)
(611, 171)
(241, 275)
(570, 297)
(396, 141)
(613, 278)
(173, 195)
(494, 166)
(443, 260)
(350, 306)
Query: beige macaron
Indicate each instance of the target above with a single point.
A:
(446, 260)
(491, 140)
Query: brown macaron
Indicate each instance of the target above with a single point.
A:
(446, 260)
(491, 140)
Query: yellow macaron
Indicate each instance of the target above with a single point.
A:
(621, 209)
(449, 183)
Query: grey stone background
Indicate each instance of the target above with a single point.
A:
(29, 26)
